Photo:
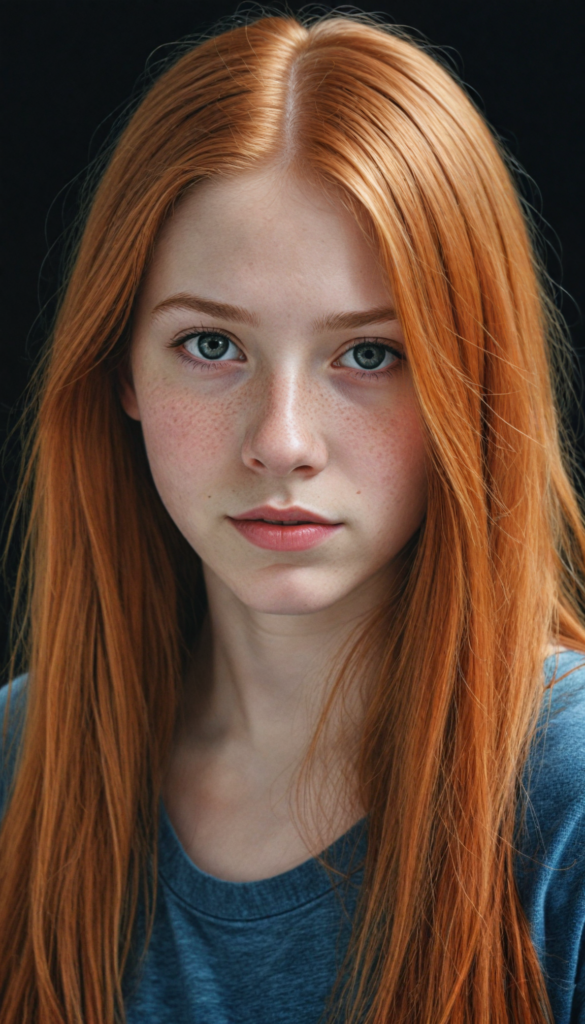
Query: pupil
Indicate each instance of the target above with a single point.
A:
(212, 346)
(369, 357)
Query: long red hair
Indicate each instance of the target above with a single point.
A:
(440, 937)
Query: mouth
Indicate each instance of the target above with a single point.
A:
(293, 516)
(289, 529)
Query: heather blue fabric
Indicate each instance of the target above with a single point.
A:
(268, 952)
(248, 952)
(550, 872)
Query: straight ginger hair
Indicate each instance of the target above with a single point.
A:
(113, 588)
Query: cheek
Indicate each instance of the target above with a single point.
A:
(387, 455)
(188, 441)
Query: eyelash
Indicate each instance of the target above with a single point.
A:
(204, 366)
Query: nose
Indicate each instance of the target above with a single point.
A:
(283, 434)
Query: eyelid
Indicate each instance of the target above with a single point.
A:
(190, 331)
(396, 349)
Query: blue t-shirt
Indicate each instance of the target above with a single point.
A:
(268, 952)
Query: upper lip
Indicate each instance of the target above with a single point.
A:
(284, 515)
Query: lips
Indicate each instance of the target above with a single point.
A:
(284, 516)
(287, 529)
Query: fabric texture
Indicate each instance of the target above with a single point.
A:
(268, 952)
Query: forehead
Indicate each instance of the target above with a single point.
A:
(263, 239)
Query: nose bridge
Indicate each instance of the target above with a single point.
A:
(287, 394)
(283, 433)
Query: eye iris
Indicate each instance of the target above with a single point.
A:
(212, 346)
(369, 356)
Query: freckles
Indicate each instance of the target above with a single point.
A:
(188, 429)
(387, 449)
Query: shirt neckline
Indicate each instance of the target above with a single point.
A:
(267, 897)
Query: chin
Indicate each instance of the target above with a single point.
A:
(290, 596)
(288, 606)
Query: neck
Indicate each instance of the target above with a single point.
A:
(262, 679)
(253, 697)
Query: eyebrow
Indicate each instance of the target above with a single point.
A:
(219, 310)
(350, 321)
(237, 314)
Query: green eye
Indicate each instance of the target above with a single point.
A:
(369, 355)
(210, 345)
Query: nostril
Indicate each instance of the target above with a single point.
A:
(282, 451)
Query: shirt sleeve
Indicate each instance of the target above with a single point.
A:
(12, 711)
(550, 864)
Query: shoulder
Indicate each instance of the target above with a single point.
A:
(554, 775)
(12, 711)
(12, 707)
(553, 784)
(556, 766)
(550, 843)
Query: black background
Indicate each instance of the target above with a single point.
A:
(69, 68)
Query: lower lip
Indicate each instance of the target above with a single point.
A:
(284, 538)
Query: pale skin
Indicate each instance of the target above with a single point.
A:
(286, 417)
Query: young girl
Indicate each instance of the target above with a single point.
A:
(301, 736)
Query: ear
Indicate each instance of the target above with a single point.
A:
(126, 391)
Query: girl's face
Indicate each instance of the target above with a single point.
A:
(269, 374)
